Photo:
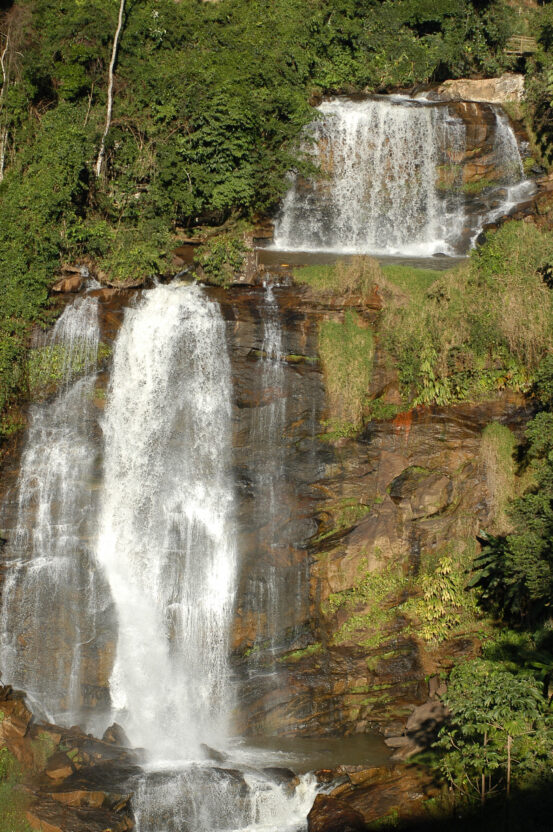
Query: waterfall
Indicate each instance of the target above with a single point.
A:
(515, 186)
(210, 799)
(166, 539)
(140, 551)
(392, 181)
(53, 606)
(268, 476)
(379, 157)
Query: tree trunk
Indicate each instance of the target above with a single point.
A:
(109, 108)
(509, 744)
(3, 130)
(483, 788)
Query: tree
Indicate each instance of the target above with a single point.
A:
(499, 729)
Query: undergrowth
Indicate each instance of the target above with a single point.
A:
(496, 452)
(12, 801)
(346, 350)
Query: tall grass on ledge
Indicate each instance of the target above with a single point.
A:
(346, 350)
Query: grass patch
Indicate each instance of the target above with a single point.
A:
(461, 338)
(13, 802)
(496, 453)
(357, 277)
(346, 351)
(413, 282)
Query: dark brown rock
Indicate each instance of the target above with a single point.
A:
(116, 735)
(329, 814)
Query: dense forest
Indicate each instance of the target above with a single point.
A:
(209, 103)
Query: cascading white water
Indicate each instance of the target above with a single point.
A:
(515, 187)
(269, 420)
(151, 562)
(166, 539)
(380, 157)
(392, 182)
(166, 544)
(53, 600)
(210, 799)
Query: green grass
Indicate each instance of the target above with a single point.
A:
(414, 282)
(356, 277)
(346, 350)
(13, 802)
(496, 452)
(461, 337)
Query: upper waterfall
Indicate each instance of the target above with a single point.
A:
(393, 180)
(165, 539)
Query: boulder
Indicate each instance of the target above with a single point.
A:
(116, 735)
(329, 814)
(506, 88)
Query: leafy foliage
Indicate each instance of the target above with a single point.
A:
(499, 730)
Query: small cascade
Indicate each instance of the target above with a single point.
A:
(392, 181)
(166, 540)
(268, 476)
(54, 602)
(515, 187)
(206, 799)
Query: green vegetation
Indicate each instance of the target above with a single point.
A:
(197, 137)
(343, 515)
(49, 365)
(441, 605)
(12, 801)
(371, 606)
(501, 728)
(222, 257)
(500, 732)
(356, 278)
(514, 572)
(297, 655)
(346, 350)
(496, 451)
(462, 339)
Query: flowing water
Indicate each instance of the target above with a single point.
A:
(144, 546)
(268, 476)
(392, 182)
(165, 541)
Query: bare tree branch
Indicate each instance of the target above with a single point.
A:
(3, 130)
(102, 151)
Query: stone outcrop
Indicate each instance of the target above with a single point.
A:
(70, 782)
(507, 88)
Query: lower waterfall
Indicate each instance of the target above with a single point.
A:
(139, 553)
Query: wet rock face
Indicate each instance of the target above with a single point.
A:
(320, 522)
(423, 486)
